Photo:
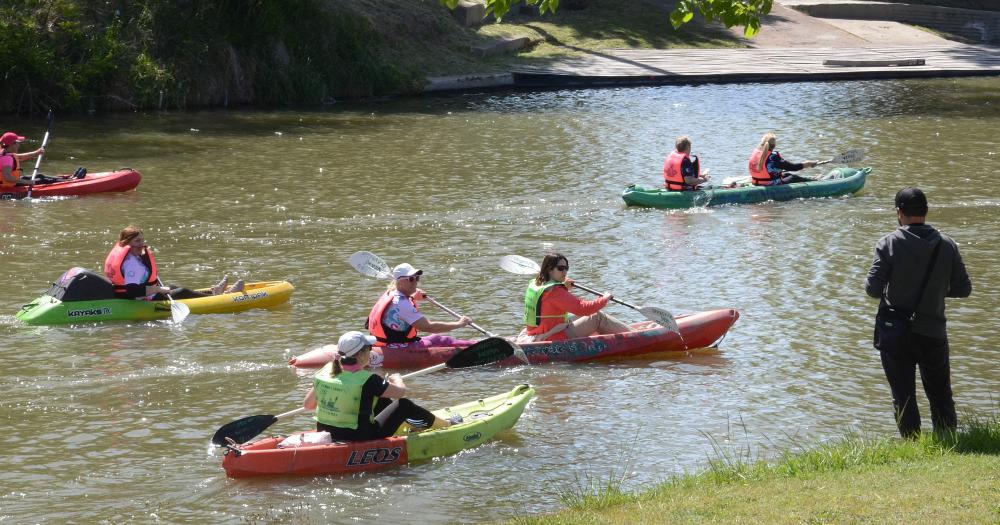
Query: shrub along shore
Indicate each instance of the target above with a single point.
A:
(858, 479)
(76, 55)
(73, 55)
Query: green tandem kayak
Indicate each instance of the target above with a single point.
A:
(839, 181)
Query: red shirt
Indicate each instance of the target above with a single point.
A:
(557, 301)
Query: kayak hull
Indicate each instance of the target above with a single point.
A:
(125, 179)
(483, 419)
(47, 310)
(698, 330)
(839, 181)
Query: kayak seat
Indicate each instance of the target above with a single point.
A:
(80, 284)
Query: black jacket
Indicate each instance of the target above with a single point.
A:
(901, 260)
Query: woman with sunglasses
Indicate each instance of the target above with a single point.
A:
(548, 303)
(131, 267)
(395, 319)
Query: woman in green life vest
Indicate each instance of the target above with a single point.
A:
(353, 404)
(548, 303)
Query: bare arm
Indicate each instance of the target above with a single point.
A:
(309, 403)
(436, 327)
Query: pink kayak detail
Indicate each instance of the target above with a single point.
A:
(699, 330)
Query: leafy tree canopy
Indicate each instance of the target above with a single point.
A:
(743, 13)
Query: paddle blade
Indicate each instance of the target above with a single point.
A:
(243, 430)
(489, 350)
(660, 317)
(850, 156)
(179, 312)
(519, 265)
(367, 263)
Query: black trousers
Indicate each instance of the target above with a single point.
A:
(930, 356)
(390, 416)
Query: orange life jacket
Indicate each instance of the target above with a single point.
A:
(760, 177)
(673, 176)
(113, 266)
(15, 171)
(384, 334)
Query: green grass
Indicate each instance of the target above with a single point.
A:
(858, 479)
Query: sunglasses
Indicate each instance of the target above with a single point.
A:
(412, 278)
(562, 268)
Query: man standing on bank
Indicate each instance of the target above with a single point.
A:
(915, 268)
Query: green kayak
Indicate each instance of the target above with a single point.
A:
(839, 181)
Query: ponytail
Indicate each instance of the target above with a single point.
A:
(766, 145)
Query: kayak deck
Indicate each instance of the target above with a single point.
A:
(839, 181)
(124, 179)
(47, 310)
(697, 330)
(482, 420)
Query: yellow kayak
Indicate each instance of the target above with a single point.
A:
(254, 295)
(55, 307)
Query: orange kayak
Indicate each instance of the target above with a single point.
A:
(698, 330)
(481, 421)
(124, 179)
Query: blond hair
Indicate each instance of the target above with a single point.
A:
(767, 143)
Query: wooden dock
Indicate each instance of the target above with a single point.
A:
(700, 66)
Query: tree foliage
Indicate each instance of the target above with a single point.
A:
(743, 13)
(94, 54)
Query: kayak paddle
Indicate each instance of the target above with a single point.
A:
(483, 352)
(524, 266)
(371, 265)
(847, 157)
(178, 311)
(38, 161)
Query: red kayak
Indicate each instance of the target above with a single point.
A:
(699, 330)
(124, 179)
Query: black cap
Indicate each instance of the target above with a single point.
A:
(912, 201)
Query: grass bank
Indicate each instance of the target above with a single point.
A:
(954, 479)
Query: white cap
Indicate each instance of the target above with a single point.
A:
(405, 270)
(352, 342)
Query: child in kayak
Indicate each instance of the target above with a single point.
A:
(354, 404)
(131, 267)
(548, 303)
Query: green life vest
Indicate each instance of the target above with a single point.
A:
(533, 302)
(338, 398)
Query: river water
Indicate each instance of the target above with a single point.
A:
(112, 422)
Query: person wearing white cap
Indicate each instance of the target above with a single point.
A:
(353, 404)
(10, 159)
(395, 319)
